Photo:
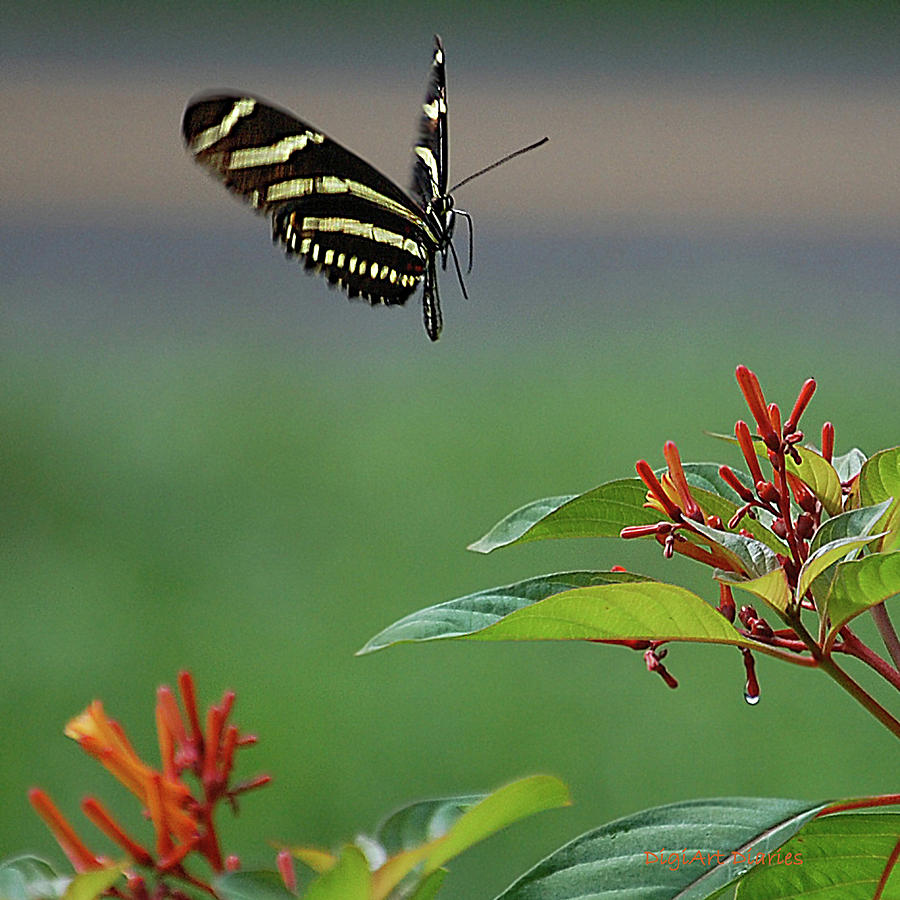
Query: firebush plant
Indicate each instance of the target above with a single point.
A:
(810, 540)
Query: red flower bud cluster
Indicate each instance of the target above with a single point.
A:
(181, 813)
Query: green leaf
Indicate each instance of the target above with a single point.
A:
(754, 557)
(853, 523)
(90, 885)
(819, 475)
(637, 611)
(422, 837)
(860, 584)
(28, 878)
(857, 522)
(251, 885)
(712, 504)
(665, 852)
(879, 480)
(840, 857)
(849, 465)
(601, 512)
(474, 612)
(429, 886)
(421, 822)
(497, 811)
(773, 587)
(816, 563)
(348, 880)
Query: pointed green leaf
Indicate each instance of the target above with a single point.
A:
(819, 475)
(28, 877)
(251, 885)
(685, 850)
(497, 811)
(421, 822)
(637, 611)
(861, 584)
(840, 857)
(853, 523)
(754, 557)
(816, 563)
(772, 587)
(90, 885)
(474, 612)
(879, 480)
(424, 836)
(348, 880)
(849, 465)
(601, 512)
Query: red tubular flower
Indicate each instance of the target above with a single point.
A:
(679, 479)
(745, 441)
(828, 441)
(729, 477)
(726, 602)
(805, 498)
(753, 394)
(188, 697)
(636, 531)
(751, 691)
(81, 858)
(775, 417)
(95, 811)
(285, 863)
(803, 398)
(656, 492)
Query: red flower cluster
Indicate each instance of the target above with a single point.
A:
(671, 495)
(182, 817)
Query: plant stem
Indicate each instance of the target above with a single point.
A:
(887, 632)
(832, 669)
(853, 646)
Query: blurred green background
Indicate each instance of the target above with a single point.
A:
(211, 461)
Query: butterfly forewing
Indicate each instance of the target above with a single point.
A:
(328, 206)
(430, 152)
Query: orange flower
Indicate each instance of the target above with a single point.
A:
(182, 818)
(104, 739)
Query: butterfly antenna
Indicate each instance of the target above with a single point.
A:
(500, 162)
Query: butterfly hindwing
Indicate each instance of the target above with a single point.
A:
(328, 206)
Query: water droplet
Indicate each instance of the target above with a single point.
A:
(752, 699)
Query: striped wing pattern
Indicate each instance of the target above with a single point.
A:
(341, 216)
(429, 182)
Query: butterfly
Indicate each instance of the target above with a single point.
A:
(340, 215)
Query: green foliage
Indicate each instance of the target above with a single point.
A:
(30, 878)
(633, 609)
(812, 546)
(684, 850)
(408, 852)
(601, 512)
(844, 857)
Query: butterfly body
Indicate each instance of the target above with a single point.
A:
(340, 215)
